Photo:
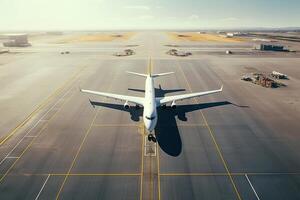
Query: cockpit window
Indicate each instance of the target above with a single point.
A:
(150, 118)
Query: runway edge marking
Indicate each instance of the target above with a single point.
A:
(252, 187)
(38, 195)
(40, 106)
(213, 138)
(32, 141)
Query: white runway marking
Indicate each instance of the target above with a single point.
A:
(35, 125)
(252, 187)
(38, 195)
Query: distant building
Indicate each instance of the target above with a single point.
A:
(270, 47)
(16, 40)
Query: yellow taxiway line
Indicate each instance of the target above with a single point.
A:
(38, 134)
(213, 139)
(79, 148)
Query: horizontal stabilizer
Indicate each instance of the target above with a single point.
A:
(162, 74)
(138, 74)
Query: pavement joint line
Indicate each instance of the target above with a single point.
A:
(213, 138)
(38, 195)
(252, 187)
(35, 125)
(81, 145)
(31, 142)
(39, 107)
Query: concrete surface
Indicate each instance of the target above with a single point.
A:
(240, 144)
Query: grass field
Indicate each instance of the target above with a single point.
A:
(192, 36)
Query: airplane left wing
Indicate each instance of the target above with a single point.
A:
(132, 99)
(164, 100)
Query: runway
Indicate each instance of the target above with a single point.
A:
(238, 144)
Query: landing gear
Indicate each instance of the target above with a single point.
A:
(152, 138)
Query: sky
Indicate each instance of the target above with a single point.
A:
(147, 14)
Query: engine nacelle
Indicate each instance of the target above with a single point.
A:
(173, 105)
(126, 105)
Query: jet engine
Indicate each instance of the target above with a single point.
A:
(126, 105)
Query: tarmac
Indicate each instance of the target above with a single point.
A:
(58, 143)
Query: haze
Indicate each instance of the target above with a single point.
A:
(146, 14)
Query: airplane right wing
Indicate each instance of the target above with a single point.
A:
(164, 100)
(132, 99)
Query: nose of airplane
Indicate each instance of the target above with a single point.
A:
(149, 125)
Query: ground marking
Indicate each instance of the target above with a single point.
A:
(12, 157)
(40, 132)
(158, 172)
(42, 105)
(252, 186)
(142, 128)
(213, 139)
(38, 195)
(35, 125)
(161, 174)
(80, 147)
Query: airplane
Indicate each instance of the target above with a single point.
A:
(150, 102)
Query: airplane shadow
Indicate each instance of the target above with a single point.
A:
(135, 113)
(166, 131)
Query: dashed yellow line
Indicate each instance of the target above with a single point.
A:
(76, 155)
(39, 107)
(214, 140)
(150, 66)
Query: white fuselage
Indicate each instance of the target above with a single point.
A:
(150, 113)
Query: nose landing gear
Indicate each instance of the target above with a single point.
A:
(152, 138)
